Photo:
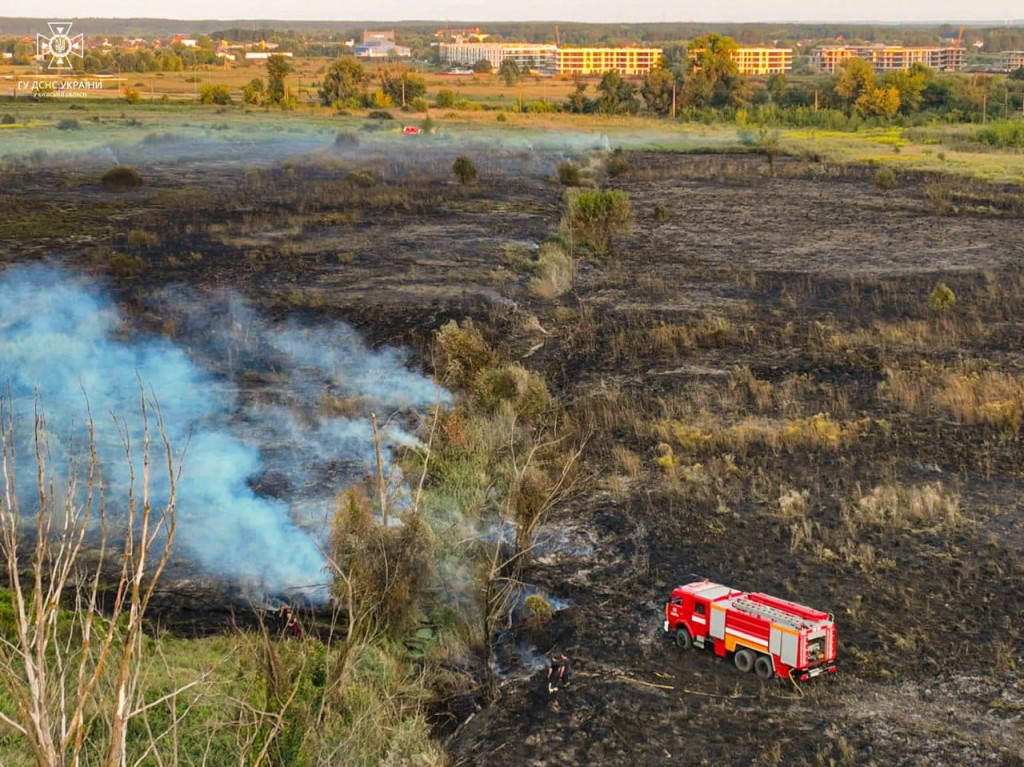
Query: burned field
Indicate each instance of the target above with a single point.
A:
(773, 388)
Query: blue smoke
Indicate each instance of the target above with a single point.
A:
(63, 343)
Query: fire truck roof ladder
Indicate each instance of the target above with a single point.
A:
(772, 613)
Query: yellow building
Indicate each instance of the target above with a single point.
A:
(763, 61)
(597, 61)
(888, 58)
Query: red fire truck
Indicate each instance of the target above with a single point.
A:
(771, 636)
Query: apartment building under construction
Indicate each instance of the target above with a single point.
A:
(551, 59)
(888, 58)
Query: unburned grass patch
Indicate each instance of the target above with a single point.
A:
(972, 392)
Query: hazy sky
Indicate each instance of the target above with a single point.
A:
(514, 10)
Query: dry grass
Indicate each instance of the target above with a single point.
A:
(892, 506)
(970, 392)
(555, 272)
(817, 432)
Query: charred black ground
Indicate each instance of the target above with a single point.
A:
(741, 297)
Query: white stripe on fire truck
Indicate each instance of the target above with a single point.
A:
(748, 637)
(698, 619)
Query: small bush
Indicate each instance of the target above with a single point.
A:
(124, 265)
(445, 99)
(346, 138)
(884, 179)
(380, 114)
(122, 178)
(617, 164)
(420, 104)
(214, 94)
(502, 118)
(597, 217)
(362, 178)
(464, 169)
(462, 354)
(661, 213)
(569, 174)
(132, 95)
(8, 119)
(141, 238)
(538, 616)
(942, 298)
(523, 389)
(69, 123)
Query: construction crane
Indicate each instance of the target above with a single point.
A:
(960, 38)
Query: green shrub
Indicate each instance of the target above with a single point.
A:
(214, 94)
(942, 298)
(69, 124)
(122, 178)
(597, 217)
(420, 104)
(124, 265)
(502, 118)
(445, 99)
(255, 92)
(380, 114)
(661, 213)
(1008, 133)
(525, 391)
(464, 169)
(541, 107)
(569, 173)
(885, 179)
(8, 119)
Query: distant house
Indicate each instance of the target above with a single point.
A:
(382, 50)
(264, 55)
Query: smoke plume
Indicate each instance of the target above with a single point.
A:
(275, 418)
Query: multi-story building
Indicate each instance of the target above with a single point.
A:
(527, 56)
(594, 61)
(888, 58)
(380, 44)
(763, 61)
(1011, 61)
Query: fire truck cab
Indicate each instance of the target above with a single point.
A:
(771, 636)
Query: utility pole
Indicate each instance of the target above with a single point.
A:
(984, 108)
(673, 98)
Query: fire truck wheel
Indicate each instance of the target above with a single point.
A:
(683, 638)
(744, 660)
(763, 667)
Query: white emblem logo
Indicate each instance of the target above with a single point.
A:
(60, 46)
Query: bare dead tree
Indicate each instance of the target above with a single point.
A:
(533, 493)
(73, 660)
